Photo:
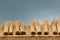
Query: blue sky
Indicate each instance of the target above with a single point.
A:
(26, 10)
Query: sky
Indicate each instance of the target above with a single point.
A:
(27, 10)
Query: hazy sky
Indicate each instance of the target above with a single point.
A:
(26, 10)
